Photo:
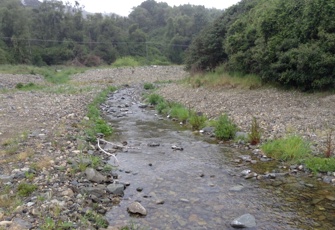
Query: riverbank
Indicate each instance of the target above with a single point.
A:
(42, 140)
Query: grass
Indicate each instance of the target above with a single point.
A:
(126, 62)
(291, 148)
(52, 74)
(319, 164)
(96, 124)
(179, 112)
(25, 189)
(225, 128)
(148, 86)
(197, 121)
(155, 99)
(219, 78)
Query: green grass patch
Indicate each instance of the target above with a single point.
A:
(320, 164)
(96, 124)
(155, 99)
(291, 148)
(225, 128)
(179, 112)
(25, 189)
(197, 121)
(219, 78)
(148, 86)
(126, 62)
(28, 87)
(52, 74)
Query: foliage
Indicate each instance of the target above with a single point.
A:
(282, 41)
(155, 99)
(255, 132)
(148, 86)
(179, 112)
(197, 121)
(58, 32)
(96, 124)
(225, 129)
(25, 189)
(126, 62)
(319, 164)
(291, 148)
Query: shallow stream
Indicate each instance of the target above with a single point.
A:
(200, 187)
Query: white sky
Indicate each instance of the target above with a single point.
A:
(123, 7)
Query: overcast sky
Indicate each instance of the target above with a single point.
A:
(123, 7)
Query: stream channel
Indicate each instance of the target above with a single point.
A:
(201, 186)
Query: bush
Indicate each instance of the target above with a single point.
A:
(291, 148)
(225, 129)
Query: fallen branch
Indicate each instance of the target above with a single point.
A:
(109, 154)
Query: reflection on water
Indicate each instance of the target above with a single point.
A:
(191, 189)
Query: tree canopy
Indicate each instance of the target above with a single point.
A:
(51, 32)
(283, 41)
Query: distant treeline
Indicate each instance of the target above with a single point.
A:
(290, 42)
(52, 33)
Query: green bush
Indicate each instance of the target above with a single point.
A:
(255, 133)
(225, 129)
(291, 148)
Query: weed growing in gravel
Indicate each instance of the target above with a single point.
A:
(162, 107)
(155, 99)
(148, 86)
(225, 129)
(197, 121)
(291, 148)
(25, 189)
(28, 87)
(179, 112)
(255, 133)
(96, 218)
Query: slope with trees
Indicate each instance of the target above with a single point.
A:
(52, 32)
(282, 41)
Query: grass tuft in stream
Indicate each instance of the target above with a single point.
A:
(291, 148)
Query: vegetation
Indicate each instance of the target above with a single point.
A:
(148, 86)
(225, 129)
(291, 148)
(53, 32)
(319, 164)
(282, 41)
(255, 133)
(25, 189)
(96, 124)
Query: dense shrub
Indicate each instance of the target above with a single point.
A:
(287, 42)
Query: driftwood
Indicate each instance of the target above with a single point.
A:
(116, 161)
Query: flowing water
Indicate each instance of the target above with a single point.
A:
(194, 188)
